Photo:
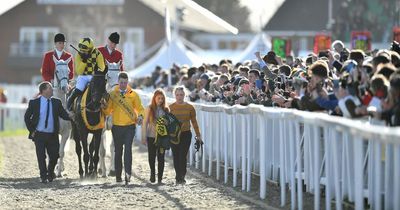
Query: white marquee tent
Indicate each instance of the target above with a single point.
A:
(169, 53)
(261, 42)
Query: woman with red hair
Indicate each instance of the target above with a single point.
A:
(156, 109)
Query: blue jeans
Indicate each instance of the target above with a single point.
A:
(123, 138)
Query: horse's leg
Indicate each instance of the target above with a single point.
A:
(102, 151)
(97, 140)
(78, 150)
(64, 131)
(86, 156)
(91, 150)
(112, 163)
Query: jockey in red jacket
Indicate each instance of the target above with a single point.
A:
(110, 51)
(48, 65)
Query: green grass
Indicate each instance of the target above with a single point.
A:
(19, 132)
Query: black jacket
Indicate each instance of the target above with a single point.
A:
(32, 114)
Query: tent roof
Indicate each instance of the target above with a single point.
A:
(196, 16)
(261, 42)
(174, 52)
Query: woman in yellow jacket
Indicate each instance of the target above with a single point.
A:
(127, 110)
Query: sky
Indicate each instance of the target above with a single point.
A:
(261, 10)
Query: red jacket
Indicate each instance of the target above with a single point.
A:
(48, 65)
(115, 56)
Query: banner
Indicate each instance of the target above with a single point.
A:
(322, 42)
(282, 47)
(361, 40)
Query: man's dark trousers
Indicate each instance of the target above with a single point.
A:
(46, 142)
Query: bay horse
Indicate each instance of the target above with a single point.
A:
(89, 118)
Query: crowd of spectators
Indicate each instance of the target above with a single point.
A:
(339, 82)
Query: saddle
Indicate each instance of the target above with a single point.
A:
(80, 104)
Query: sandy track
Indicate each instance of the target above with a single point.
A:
(20, 187)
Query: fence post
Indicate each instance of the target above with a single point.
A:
(243, 140)
(218, 141)
(282, 164)
(299, 164)
(292, 162)
(250, 142)
(336, 178)
(316, 167)
(263, 183)
(235, 142)
(227, 128)
(210, 144)
(328, 186)
(358, 173)
(396, 175)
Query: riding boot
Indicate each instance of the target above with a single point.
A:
(72, 97)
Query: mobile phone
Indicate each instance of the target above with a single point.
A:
(335, 83)
(258, 84)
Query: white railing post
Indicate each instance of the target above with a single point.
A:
(377, 175)
(292, 161)
(243, 140)
(389, 177)
(358, 173)
(316, 167)
(235, 143)
(299, 165)
(227, 136)
(210, 144)
(338, 196)
(250, 141)
(263, 182)
(396, 176)
(328, 190)
(218, 141)
(282, 166)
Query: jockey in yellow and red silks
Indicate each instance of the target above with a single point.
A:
(88, 61)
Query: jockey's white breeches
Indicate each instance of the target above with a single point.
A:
(82, 81)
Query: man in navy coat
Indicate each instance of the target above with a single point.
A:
(42, 120)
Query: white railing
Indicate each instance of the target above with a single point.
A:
(12, 116)
(349, 159)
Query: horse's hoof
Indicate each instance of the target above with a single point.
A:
(58, 175)
(112, 173)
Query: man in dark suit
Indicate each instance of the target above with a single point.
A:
(42, 121)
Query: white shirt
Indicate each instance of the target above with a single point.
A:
(109, 50)
(42, 116)
(59, 53)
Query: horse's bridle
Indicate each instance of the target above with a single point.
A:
(63, 78)
(91, 98)
(108, 76)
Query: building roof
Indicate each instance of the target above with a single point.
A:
(305, 15)
(196, 17)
